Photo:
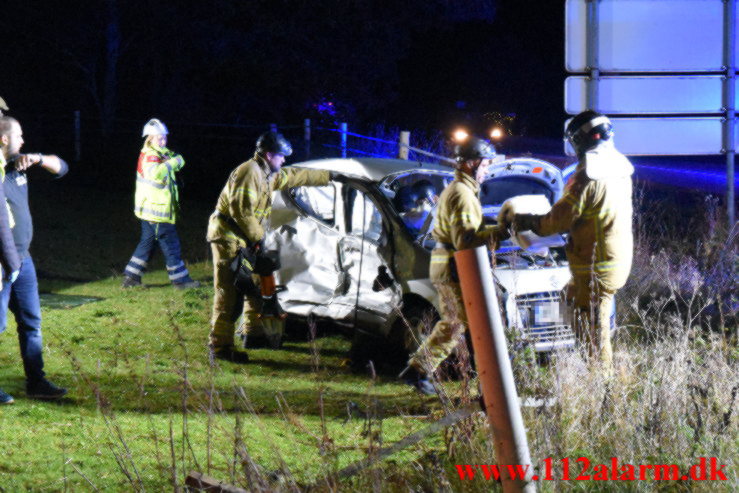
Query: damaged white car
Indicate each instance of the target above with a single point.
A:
(357, 252)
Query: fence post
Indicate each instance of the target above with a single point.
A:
(77, 136)
(403, 143)
(343, 130)
(273, 127)
(306, 137)
(494, 367)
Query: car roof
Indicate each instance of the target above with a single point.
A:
(373, 169)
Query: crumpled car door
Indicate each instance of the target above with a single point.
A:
(362, 262)
(305, 229)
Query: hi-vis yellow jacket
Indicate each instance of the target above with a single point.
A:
(597, 211)
(157, 196)
(459, 225)
(247, 198)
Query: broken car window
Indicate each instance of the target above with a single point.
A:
(317, 202)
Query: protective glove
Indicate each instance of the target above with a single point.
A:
(502, 233)
(13, 276)
(337, 177)
(258, 246)
(525, 222)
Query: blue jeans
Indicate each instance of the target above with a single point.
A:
(165, 235)
(23, 300)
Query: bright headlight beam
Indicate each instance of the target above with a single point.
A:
(460, 135)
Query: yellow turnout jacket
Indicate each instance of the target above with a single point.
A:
(247, 198)
(597, 211)
(459, 225)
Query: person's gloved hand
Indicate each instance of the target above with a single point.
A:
(258, 246)
(337, 177)
(505, 215)
(13, 276)
(525, 222)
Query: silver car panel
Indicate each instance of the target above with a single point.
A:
(334, 240)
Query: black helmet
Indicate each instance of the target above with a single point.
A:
(405, 199)
(587, 129)
(275, 143)
(424, 189)
(473, 148)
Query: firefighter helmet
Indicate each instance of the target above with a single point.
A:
(585, 130)
(405, 199)
(275, 143)
(424, 189)
(154, 127)
(473, 148)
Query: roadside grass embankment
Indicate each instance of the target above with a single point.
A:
(146, 406)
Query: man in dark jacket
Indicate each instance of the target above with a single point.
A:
(21, 294)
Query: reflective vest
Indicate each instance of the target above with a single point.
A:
(157, 197)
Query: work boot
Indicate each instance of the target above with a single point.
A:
(130, 282)
(421, 382)
(229, 353)
(6, 398)
(187, 284)
(44, 390)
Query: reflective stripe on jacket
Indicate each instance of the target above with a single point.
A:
(459, 223)
(598, 215)
(157, 196)
(247, 198)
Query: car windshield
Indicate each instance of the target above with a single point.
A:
(498, 190)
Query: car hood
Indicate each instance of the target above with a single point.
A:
(540, 174)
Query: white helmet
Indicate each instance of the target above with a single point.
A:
(154, 127)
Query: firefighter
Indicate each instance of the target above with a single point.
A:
(596, 211)
(459, 226)
(157, 205)
(239, 221)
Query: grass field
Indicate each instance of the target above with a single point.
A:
(145, 406)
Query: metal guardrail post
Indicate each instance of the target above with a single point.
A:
(306, 137)
(404, 143)
(729, 105)
(343, 130)
(77, 136)
(494, 367)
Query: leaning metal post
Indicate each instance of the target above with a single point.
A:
(494, 366)
(729, 104)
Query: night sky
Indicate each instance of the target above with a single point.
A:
(417, 64)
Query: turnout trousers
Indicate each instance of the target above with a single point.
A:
(165, 235)
(447, 331)
(227, 302)
(592, 302)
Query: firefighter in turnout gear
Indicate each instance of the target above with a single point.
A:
(459, 226)
(239, 221)
(157, 205)
(596, 210)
